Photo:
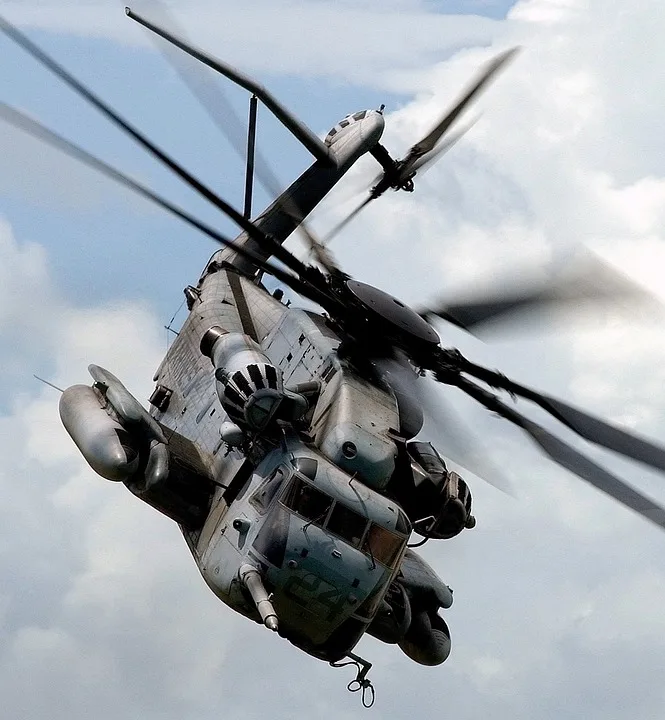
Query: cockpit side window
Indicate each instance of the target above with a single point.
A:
(347, 524)
(263, 495)
(382, 545)
(307, 501)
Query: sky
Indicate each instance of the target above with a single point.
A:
(558, 590)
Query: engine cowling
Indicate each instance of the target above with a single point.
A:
(437, 501)
(250, 388)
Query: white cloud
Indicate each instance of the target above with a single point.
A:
(355, 43)
(86, 568)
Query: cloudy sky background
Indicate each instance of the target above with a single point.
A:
(558, 593)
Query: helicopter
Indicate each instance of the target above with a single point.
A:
(282, 441)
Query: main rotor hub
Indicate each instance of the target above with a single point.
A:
(393, 312)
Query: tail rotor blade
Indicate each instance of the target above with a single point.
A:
(429, 142)
(399, 174)
(425, 161)
(341, 225)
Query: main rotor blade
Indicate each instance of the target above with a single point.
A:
(587, 426)
(428, 143)
(213, 101)
(26, 124)
(276, 249)
(417, 408)
(472, 314)
(592, 281)
(567, 457)
(316, 146)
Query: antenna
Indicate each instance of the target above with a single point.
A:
(50, 384)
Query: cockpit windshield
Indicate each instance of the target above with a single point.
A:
(318, 508)
(347, 524)
(308, 501)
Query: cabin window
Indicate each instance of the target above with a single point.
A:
(161, 397)
(308, 502)
(382, 545)
(267, 490)
(347, 524)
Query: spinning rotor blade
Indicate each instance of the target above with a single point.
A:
(429, 142)
(213, 101)
(592, 282)
(568, 457)
(276, 249)
(471, 315)
(455, 441)
(398, 174)
(315, 145)
(587, 426)
(421, 163)
(459, 442)
(32, 127)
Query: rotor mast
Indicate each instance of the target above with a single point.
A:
(251, 148)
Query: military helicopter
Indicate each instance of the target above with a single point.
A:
(283, 441)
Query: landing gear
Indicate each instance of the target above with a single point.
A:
(361, 682)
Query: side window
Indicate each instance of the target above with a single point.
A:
(267, 490)
(382, 545)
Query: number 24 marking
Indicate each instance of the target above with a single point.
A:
(307, 588)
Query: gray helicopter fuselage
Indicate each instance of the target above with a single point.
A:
(320, 579)
(326, 546)
(287, 516)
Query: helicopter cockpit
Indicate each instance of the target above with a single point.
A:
(329, 547)
(316, 507)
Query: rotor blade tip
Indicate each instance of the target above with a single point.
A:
(128, 10)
